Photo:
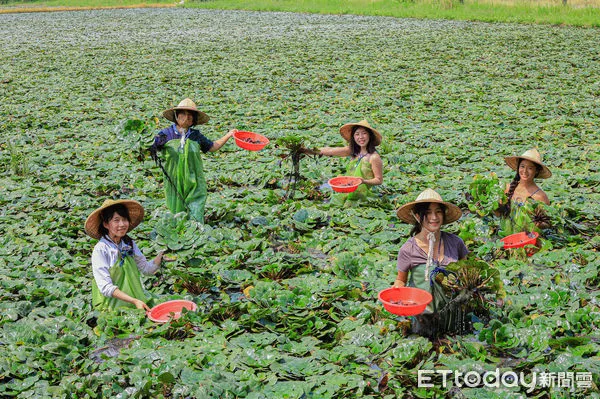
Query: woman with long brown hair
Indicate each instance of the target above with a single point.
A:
(524, 209)
(528, 167)
(364, 161)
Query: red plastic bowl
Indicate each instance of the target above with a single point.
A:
(405, 301)
(170, 310)
(344, 184)
(519, 240)
(250, 141)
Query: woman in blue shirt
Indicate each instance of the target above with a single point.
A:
(185, 185)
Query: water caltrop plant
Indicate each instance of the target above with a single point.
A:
(138, 134)
(296, 150)
(476, 280)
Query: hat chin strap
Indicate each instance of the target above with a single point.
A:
(431, 239)
(415, 216)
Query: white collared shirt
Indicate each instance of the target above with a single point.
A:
(105, 256)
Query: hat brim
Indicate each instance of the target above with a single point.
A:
(346, 132)
(513, 163)
(93, 222)
(405, 213)
(201, 119)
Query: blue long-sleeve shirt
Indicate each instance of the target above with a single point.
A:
(171, 133)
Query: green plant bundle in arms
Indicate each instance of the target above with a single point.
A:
(138, 134)
(531, 216)
(475, 275)
(539, 215)
(460, 291)
(294, 143)
(469, 284)
(485, 194)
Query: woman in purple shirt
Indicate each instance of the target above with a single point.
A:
(429, 247)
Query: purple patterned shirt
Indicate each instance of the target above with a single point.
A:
(411, 255)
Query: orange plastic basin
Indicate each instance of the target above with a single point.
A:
(519, 240)
(250, 141)
(405, 301)
(344, 184)
(170, 310)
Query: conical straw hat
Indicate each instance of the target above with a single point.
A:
(188, 105)
(405, 213)
(346, 131)
(93, 222)
(532, 155)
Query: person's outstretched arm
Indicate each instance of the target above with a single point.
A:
(335, 151)
(217, 144)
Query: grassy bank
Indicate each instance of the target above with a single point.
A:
(576, 13)
(71, 5)
(554, 12)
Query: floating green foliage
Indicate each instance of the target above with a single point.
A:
(287, 290)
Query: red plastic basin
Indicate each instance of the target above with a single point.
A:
(344, 184)
(250, 141)
(170, 310)
(519, 240)
(405, 301)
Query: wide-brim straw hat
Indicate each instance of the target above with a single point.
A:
(93, 222)
(532, 155)
(187, 105)
(346, 131)
(405, 213)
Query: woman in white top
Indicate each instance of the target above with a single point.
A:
(116, 259)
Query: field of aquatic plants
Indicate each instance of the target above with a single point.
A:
(287, 290)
